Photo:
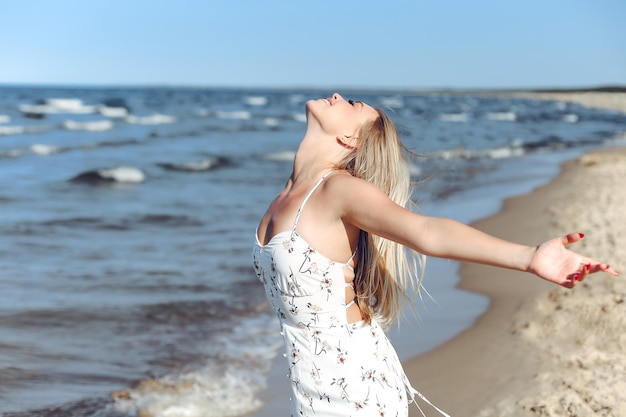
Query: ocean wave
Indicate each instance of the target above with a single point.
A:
(296, 98)
(171, 220)
(415, 170)
(281, 156)
(20, 130)
(395, 102)
(494, 153)
(91, 126)
(5, 118)
(121, 174)
(72, 223)
(299, 117)
(570, 118)
(202, 112)
(255, 100)
(116, 112)
(40, 149)
(155, 119)
(234, 115)
(271, 122)
(197, 166)
(57, 105)
(12, 153)
(454, 117)
(110, 144)
(111, 224)
(509, 116)
(227, 385)
(515, 148)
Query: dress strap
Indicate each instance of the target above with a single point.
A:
(317, 184)
(347, 264)
(415, 393)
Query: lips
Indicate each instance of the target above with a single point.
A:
(328, 101)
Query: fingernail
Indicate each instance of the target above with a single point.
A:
(607, 266)
(588, 266)
(581, 235)
(576, 276)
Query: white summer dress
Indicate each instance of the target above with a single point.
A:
(336, 368)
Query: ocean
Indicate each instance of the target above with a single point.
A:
(128, 217)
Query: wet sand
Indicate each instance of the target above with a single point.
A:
(541, 350)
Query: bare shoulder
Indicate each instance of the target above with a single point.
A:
(351, 192)
(343, 182)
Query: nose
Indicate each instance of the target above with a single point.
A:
(337, 96)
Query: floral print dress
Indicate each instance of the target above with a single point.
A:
(336, 368)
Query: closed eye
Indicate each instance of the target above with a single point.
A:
(351, 102)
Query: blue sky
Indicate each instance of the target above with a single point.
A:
(315, 43)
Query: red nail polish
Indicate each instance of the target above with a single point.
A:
(581, 235)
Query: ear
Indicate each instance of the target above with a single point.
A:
(347, 141)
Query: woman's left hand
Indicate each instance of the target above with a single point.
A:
(553, 262)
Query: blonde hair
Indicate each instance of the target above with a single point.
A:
(387, 273)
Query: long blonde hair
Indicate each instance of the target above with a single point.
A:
(387, 273)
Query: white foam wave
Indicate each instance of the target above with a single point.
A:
(299, 117)
(494, 153)
(236, 115)
(454, 117)
(202, 112)
(255, 100)
(415, 170)
(503, 116)
(117, 112)
(19, 130)
(69, 104)
(283, 156)
(195, 166)
(11, 153)
(58, 105)
(155, 119)
(194, 394)
(4, 118)
(12, 130)
(92, 126)
(296, 98)
(393, 101)
(223, 387)
(37, 149)
(40, 149)
(271, 122)
(124, 174)
(570, 118)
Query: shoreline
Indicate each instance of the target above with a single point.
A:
(505, 362)
(523, 356)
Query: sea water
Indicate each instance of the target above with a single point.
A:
(127, 218)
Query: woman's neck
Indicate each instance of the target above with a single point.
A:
(316, 155)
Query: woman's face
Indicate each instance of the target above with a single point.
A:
(339, 117)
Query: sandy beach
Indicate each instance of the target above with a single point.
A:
(541, 350)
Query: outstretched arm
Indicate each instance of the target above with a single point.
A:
(366, 207)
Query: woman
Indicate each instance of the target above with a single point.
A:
(331, 253)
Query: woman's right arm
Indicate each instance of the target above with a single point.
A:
(368, 208)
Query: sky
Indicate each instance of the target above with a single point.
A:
(426, 44)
